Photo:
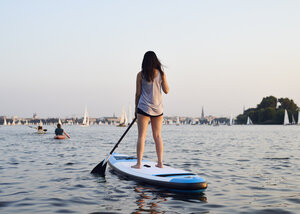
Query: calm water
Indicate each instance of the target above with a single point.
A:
(249, 169)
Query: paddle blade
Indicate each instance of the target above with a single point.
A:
(100, 168)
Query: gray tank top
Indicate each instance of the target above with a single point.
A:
(151, 97)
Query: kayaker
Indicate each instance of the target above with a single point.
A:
(148, 105)
(60, 131)
(40, 130)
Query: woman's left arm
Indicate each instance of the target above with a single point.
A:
(138, 90)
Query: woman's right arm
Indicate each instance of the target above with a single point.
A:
(164, 84)
(67, 134)
(138, 90)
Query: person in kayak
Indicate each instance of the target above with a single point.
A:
(60, 131)
(40, 130)
(148, 105)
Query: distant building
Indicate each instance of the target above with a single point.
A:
(202, 114)
(111, 120)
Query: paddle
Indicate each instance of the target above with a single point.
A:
(36, 128)
(100, 168)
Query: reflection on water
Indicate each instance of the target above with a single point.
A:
(146, 201)
(150, 198)
(249, 169)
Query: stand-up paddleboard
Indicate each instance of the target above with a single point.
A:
(60, 137)
(167, 177)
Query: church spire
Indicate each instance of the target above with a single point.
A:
(202, 113)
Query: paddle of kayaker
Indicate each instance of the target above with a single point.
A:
(59, 131)
(149, 106)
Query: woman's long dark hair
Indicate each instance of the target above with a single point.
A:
(150, 62)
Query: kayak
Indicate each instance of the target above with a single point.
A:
(60, 137)
(41, 132)
(167, 177)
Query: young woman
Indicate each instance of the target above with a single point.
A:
(60, 132)
(148, 105)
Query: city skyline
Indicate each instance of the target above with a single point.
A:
(36, 116)
(58, 56)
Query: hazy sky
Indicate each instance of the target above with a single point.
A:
(58, 56)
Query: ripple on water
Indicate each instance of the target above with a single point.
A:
(268, 211)
(5, 203)
(294, 200)
(65, 211)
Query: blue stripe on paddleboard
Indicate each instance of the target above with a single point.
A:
(187, 180)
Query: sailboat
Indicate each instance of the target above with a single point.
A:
(123, 119)
(286, 118)
(129, 114)
(14, 121)
(249, 121)
(177, 121)
(86, 120)
(5, 123)
(230, 120)
(59, 121)
(193, 121)
(293, 120)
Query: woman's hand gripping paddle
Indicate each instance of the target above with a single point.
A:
(101, 167)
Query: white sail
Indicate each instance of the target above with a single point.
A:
(86, 120)
(129, 114)
(41, 123)
(298, 118)
(123, 120)
(5, 123)
(293, 120)
(249, 121)
(286, 118)
(177, 121)
(230, 120)
(59, 121)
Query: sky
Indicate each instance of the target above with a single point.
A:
(58, 56)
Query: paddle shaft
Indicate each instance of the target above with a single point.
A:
(116, 146)
(36, 128)
(100, 168)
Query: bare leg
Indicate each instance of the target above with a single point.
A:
(156, 123)
(142, 122)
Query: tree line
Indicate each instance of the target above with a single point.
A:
(270, 111)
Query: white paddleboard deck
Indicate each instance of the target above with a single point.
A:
(166, 177)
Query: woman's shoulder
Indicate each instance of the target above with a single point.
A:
(139, 75)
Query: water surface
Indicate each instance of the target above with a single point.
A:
(249, 169)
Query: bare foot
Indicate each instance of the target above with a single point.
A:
(159, 165)
(136, 166)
